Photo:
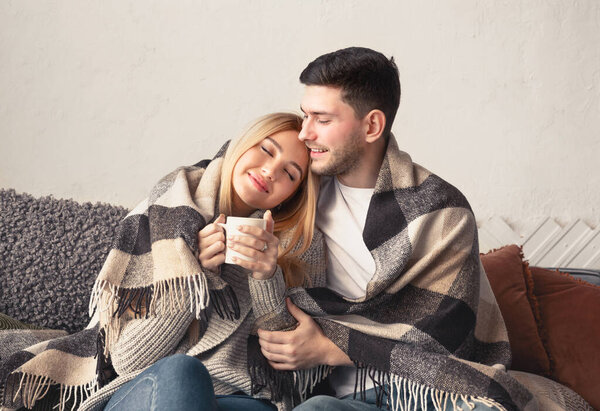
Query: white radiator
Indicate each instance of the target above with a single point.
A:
(546, 243)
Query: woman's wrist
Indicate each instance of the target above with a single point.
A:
(267, 295)
(257, 275)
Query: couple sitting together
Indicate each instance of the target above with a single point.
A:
(364, 291)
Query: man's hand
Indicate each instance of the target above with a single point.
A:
(304, 347)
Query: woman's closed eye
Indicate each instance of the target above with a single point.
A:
(263, 148)
(290, 175)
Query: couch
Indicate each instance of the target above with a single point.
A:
(52, 249)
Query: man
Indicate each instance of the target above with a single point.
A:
(408, 315)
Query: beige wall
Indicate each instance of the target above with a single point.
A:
(98, 99)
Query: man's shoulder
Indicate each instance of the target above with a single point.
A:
(417, 186)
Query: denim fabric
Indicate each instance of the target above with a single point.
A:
(243, 403)
(347, 403)
(179, 383)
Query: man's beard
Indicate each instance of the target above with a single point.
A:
(343, 160)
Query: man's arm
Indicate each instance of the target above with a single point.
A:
(304, 347)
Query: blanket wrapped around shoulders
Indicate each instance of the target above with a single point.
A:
(153, 261)
(429, 327)
(155, 254)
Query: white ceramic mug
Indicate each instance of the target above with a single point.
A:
(231, 229)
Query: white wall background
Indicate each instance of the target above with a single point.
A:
(99, 99)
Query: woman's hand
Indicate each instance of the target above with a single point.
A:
(259, 245)
(211, 242)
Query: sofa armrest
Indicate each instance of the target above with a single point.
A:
(590, 276)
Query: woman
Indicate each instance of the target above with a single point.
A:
(267, 168)
(164, 289)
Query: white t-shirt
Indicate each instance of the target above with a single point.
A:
(341, 215)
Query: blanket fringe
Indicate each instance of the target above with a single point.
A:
(406, 395)
(171, 295)
(112, 302)
(299, 383)
(225, 303)
(33, 388)
(306, 380)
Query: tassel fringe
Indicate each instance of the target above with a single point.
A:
(306, 380)
(112, 302)
(405, 395)
(170, 293)
(298, 383)
(225, 303)
(32, 388)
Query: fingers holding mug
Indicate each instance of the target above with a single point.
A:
(257, 247)
(211, 245)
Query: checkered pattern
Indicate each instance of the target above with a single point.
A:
(429, 322)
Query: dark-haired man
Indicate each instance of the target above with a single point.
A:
(408, 316)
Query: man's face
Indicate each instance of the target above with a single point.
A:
(335, 137)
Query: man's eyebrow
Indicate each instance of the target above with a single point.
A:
(278, 147)
(317, 113)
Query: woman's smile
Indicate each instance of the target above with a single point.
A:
(258, 182)
(269, 172)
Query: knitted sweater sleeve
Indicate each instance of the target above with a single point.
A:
(268, 296)
(268, 303)
(144, 341)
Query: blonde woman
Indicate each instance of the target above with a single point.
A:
(198, 358)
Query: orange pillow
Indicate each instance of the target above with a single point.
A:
(507, 272)
(570, 326)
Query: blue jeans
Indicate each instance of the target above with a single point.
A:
(347, 403)
(179, 382)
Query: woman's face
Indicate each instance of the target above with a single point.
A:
(269, 173)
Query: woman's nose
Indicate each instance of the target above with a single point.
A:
(268, 172)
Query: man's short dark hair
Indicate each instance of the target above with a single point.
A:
(367, 78)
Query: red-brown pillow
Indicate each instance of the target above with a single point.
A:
(570, 326)
(507, 272)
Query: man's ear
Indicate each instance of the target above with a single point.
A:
(375, 124)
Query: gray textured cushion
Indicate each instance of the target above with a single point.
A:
(50, 253)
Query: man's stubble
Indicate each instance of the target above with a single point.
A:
(343, 159)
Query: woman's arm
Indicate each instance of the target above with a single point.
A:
(306, 345)
(268, 303)
(144, 341)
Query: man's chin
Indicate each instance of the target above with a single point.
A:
(323, 169)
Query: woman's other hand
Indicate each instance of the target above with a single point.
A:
(211, 242)
(261, 246)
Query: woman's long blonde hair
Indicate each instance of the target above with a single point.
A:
(295, 219)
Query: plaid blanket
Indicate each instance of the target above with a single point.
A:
(429, 327)
(155, 255)
(153, 261)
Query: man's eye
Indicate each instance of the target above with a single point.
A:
(266, 151)
(323, 121)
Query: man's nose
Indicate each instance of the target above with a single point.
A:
(307, 132)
